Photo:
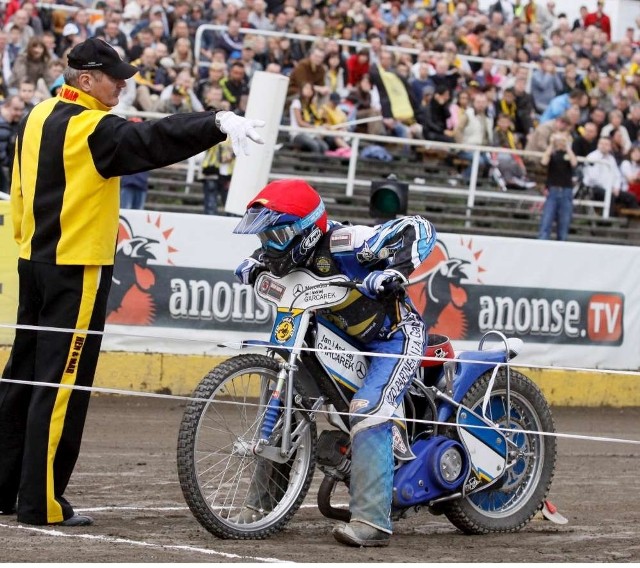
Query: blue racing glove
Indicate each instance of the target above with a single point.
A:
(248, 270)
(381, 282)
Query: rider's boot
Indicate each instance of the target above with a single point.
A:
(247, 515)
(358, 533)
(371, 488)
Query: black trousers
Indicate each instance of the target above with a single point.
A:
(41, 427)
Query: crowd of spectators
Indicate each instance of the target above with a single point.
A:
(532, 72)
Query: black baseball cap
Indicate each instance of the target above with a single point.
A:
(97, 55)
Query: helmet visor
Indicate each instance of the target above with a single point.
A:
(264, 223)
(257, 218)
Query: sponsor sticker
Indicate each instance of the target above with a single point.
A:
(341, 241)
(284, 330)
(272, 289)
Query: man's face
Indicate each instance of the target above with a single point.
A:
(236, 74)
(145, 38)
(158, 30)
(20, 19)
(442, 98)
(480, 103)
(590, 132)
(111, 29)
(104, 88)
(26, 92)
(604, 145)
(316, 57)
(148, 57)
(16, 108)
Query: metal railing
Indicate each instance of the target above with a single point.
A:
(471, 191)
(352, 180)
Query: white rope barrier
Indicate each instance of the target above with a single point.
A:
(184, 398)
(246, 344)
(263, 344)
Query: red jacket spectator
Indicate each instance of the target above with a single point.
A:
(599, 19)
(10, 10)
(357, 67)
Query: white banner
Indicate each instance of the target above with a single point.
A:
(573, 304)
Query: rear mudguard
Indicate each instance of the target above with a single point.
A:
(470, 366)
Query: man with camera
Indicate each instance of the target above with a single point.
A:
(558, 206)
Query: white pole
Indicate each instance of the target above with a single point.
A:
(251, 173)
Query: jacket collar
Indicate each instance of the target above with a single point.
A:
(70, 94)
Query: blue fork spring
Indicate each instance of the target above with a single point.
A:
(270, 416)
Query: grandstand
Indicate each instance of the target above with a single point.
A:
(486, 46)
(444, 205)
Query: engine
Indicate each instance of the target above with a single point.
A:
(439, 469)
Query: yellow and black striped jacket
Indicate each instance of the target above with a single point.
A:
(70, 152)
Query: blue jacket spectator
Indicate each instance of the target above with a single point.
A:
(561, 104)
(545, 85)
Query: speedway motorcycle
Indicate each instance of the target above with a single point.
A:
(469, 436)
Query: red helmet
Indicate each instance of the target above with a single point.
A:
(289, 218)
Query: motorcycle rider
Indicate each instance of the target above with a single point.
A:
(290, 219)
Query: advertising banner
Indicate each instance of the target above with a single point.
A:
(573, 304)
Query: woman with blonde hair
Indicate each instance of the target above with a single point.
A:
(31, 64)
(182, 54)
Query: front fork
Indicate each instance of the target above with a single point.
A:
(276, 415)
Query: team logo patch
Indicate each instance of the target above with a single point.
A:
(323, 264)
(366, 255)
(284, 330)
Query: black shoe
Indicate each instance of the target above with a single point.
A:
(11, 510)
(75, 521)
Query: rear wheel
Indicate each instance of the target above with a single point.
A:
(510, 503)
(232, 492)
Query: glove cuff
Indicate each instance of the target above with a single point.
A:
(219, 116)
(401, 277)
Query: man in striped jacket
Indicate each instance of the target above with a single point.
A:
(70, 152)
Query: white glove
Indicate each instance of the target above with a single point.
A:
(248, 270)
(239, 130)
(381, 281)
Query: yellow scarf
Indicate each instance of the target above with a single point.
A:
(401, 108)
(311, 114)
(588, 85)
(509, 109)
(633, 69)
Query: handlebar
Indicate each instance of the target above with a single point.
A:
(392, 287)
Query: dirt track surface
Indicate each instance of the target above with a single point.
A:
(126, 479)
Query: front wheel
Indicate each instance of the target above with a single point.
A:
(510, 503)
(232, 492)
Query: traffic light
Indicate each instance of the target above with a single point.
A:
(388, 198)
